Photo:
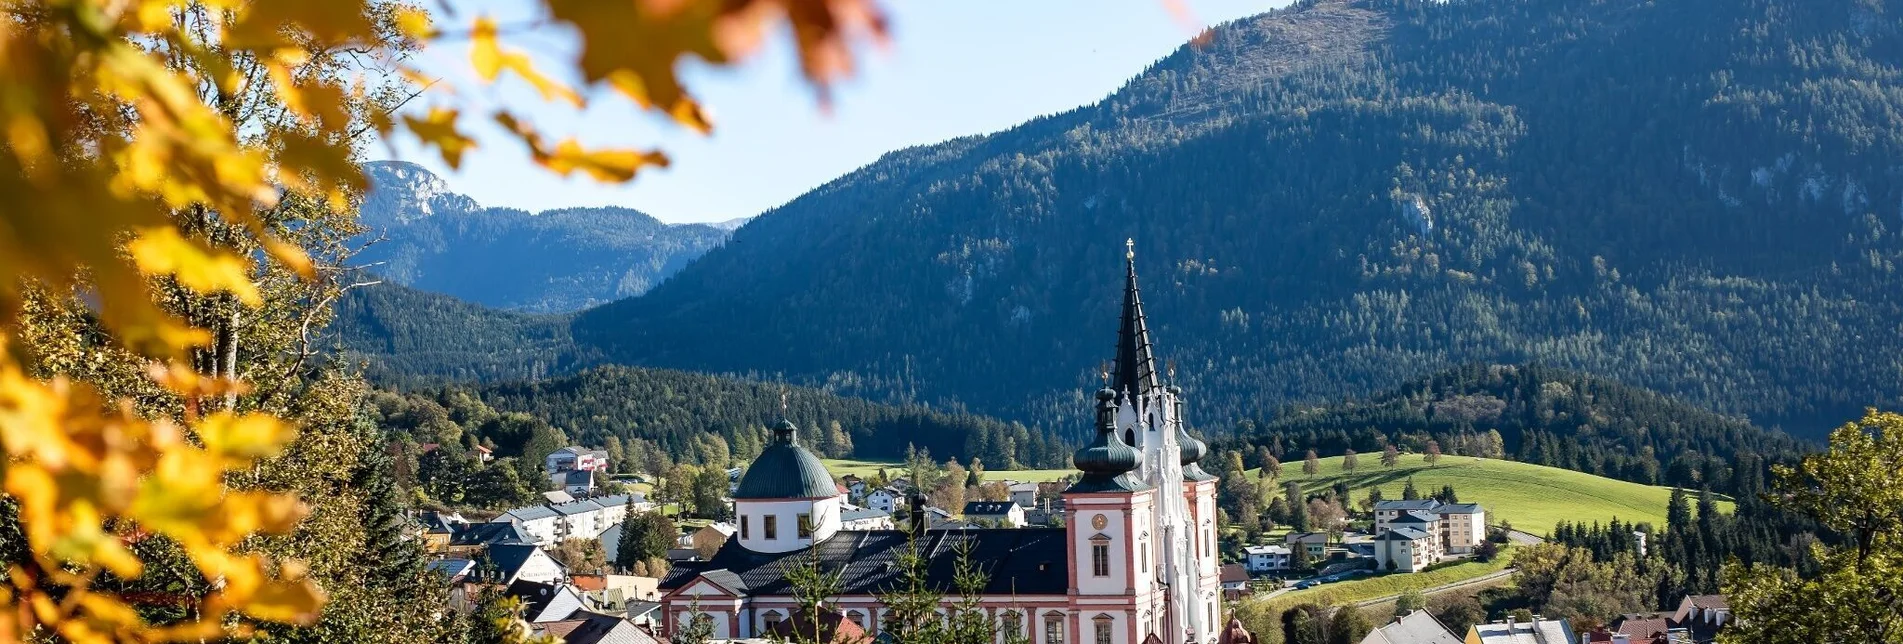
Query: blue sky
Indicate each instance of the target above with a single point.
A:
(953, 68)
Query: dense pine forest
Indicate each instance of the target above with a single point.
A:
(650, 418)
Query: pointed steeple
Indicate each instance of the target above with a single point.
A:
(1136, 366)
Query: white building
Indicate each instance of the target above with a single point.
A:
(1263, 559)
(575, 458)
(886, 499)
(1135, 561)
(1003, 514)
(1405, 549)
(857, 518)
(539, 521)
(1024, 494)
(1460, 527)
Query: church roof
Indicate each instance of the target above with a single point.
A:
(785, 470)
(1107, 461)
(1136, 364)
(1026, 561)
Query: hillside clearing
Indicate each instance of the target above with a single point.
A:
(1532, 497)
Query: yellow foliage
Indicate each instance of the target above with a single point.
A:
(120, 121)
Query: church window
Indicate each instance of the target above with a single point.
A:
(770, 620)
(806, 526)
(1053, 629)
(1146, 556)
(857, 618)
(1100, 559)
(1013, 623)
(1102, 624)
(744, 533)
(772, 526)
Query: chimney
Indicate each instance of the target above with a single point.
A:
(918, 514)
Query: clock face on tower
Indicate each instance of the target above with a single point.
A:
(1099, 522)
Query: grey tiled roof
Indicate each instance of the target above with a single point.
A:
(1418, 627)
(577, 507)
(1402, 534)
(508, 558)
(531, 513)
(1461, 508)
(987, 508)
(504, 532)
(856, 514)
(1027, 561)
(1418, 504)
(1416, 516)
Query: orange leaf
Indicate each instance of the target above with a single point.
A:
(439, 129)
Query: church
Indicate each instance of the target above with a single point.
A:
(1135, 562)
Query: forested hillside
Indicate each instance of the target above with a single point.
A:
(689, 414)
(1333, 199)
(1541, 415)
(404, 336)
(552, 261)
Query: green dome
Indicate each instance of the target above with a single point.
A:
(784, 470)
(1107, 461)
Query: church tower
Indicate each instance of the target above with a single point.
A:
(787, 500)
(1150, 418)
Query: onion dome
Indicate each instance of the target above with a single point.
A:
(1189, 447)
(784, 470)
(1107, 461)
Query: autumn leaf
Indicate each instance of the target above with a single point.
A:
(439, 129)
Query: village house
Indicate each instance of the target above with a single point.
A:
(1024, 494)
(505, 564)
(1418, 627)
(1314, 543)
(575, 458)
(1265, 559)
(1537, 631)
(1003, 514)
(857, 518)
(886, 499)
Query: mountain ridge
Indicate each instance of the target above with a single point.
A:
(1332, 199)
(423, 234)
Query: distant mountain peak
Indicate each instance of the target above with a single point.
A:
(731, 224)
(402, 192)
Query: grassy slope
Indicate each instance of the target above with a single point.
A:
(1347, 592)
(1532, 497)
(842, 467)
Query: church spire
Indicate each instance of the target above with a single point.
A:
(1136, 366)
